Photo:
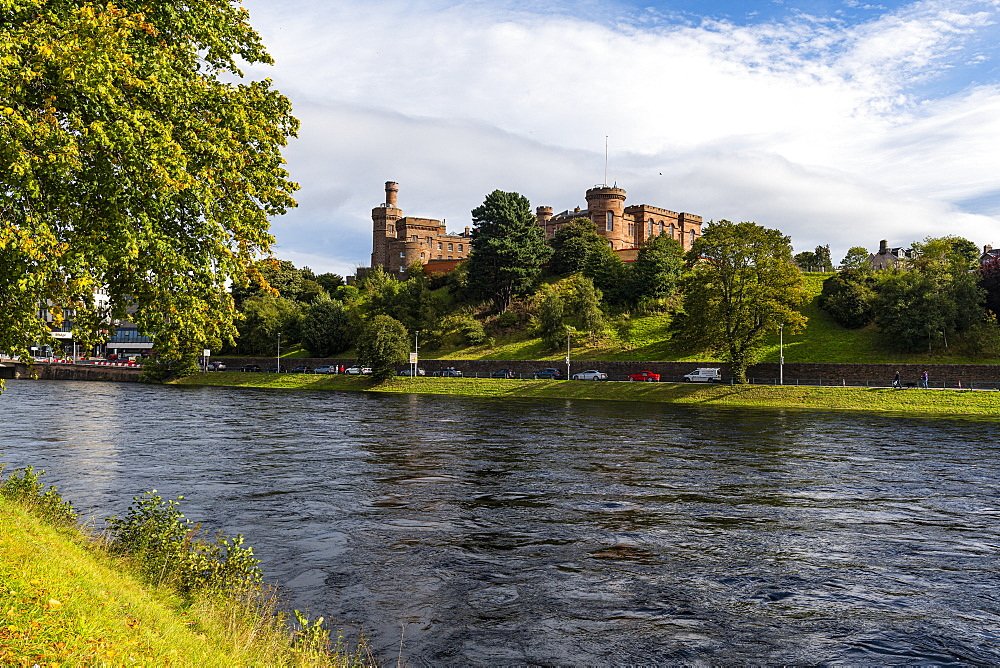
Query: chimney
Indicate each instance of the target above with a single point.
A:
(883, 247)
(391, 188)
(987, 248)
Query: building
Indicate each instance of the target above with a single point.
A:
(625, 227)
(890, 258)
(398, 241)
(989, 254)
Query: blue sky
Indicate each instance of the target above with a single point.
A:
(837, 122)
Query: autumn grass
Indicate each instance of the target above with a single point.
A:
(65, 601)
(931, 402)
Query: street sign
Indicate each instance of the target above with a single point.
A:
(413, 358)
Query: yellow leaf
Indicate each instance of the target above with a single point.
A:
(53, 603)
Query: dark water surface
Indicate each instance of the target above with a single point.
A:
(563, 532)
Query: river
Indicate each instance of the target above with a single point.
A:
(563, 532)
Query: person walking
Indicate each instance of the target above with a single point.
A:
(923, 380)
(895, 383)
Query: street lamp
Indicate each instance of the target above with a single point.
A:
(569, 332)
(781, 354)
(278, 370)
(416, 353)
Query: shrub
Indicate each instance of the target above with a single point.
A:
(23, 487)
(165, 547)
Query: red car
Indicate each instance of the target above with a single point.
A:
(645, 376)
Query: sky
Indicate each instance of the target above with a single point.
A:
(838, 122)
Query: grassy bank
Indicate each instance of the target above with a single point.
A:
(941, 402)
(65, 600)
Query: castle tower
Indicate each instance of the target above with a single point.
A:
(543, 215)
(384, 219)
(607, 209)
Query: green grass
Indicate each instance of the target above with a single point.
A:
(933, 402)
(65, 601)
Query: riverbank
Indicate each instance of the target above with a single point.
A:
(66, 600)
(940, 402)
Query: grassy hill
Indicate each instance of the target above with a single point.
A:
(822, 340)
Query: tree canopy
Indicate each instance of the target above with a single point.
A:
(508, 248)
(573, 243)
(133, 160)
(743, 284)
(383, 345)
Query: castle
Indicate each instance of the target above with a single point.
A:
(398, 241)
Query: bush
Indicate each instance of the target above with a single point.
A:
(23, 487)
(165, 547)
(849, 298)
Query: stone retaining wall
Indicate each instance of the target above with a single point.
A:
(43, 371)
(950, 373)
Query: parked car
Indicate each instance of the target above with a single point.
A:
(503, 373)
(703, 376)
(215, 366)
(325, 369)
(302, 368)
(408, 371)
(645, 377)
(549, 374)
(449, 372)
(276, 369)
(591, 374)
(358, 370)
(250, 368)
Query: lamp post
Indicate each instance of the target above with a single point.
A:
(569, 332)
(416, 353)
(781, 354)
(278, 370)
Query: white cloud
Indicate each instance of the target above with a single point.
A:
(808, 126)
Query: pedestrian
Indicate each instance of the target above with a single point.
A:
(895, 383)
(923, 380)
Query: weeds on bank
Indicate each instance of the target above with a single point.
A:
(211, 599)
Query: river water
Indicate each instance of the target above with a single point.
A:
(563, 532)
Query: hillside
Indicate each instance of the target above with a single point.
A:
(822, 340)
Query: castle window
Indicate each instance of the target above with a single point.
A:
(672, 230)
(430, 241)
(460, 248)
(423, 255)
(402, 253)
(661, 227)
(451, 247)
(413, 238)
(692, 236)
(631, 229)
(651, 224)
(402, 268)
(440, 247)
(611, 221)
(439, 256)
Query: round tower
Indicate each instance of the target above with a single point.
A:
(607, 210)
(384, 219)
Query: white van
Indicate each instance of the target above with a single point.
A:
(703, 376)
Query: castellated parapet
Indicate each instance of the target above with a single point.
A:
(399, 241)
(625, 227)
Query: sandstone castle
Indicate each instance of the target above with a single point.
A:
(399, 241)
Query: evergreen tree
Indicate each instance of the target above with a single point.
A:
(508, 248)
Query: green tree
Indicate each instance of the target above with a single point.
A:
(743, 284)
(849, 297)
(657, 269)
(926, 308)
(572, 245)
(551, 310)
(857, 259)
(609, 274)
(383, 345)
(585, 304)
(823, 260)
(947, 253)
(330, 282)
(508, 249)
(806, 260)
(327, 328)
(134, 161)
(264, 318)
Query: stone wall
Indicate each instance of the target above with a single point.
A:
(41, 371)
(848, 373)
